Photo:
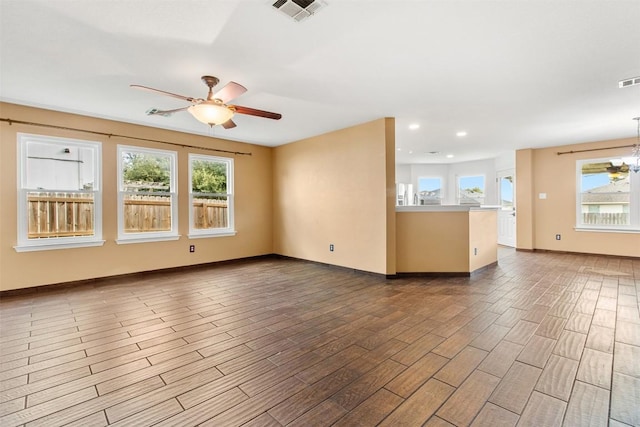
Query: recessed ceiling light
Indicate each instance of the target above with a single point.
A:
(410, 151)
(399, 149)
(414, 126)
(461, 133)
(449, 156)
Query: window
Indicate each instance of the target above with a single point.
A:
(430, 191)
(59, 193)
(506, 192)
(211, 196)
(147, 195)
(608, 195)
(471, 190)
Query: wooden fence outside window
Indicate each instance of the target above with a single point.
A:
(60, 214)
(72, 214)
(147, 213)
(208, 213)
(621, 218)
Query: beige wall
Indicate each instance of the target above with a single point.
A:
(338, 189)
(483, 239)
(446, 242)
(524, 199)
(390, 143)
(253, 203)
(432, 242)
(555, 175)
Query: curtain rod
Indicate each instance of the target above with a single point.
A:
(109, 135)
(559, 153)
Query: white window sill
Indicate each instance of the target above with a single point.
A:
(207, 235)
(56, 246)
(131, 240)
(608, 229)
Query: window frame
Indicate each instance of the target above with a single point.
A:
(151, 236)
(24, 244)
(634, 202)
(213, 232)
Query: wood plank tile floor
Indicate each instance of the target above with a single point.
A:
(541, 339)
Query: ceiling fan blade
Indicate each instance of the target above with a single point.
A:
(175, 95)
(164, 113)
(230, 91)
(253, 112)
(229, 124)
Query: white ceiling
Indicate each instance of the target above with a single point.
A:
(512, 74)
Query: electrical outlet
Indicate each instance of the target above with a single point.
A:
(558, 237)
(192, 248)
(331, 247)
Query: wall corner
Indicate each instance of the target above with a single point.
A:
(524, 199)
(390, 162)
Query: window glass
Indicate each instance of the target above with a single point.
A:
(211, 204)
(506, 192)
(471, 189)
(604, 194)
(430, 191)
(147, 194)
(59, 192)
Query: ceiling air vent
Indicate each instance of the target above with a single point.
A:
(299, 9)
(629, 82)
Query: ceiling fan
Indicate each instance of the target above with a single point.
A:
(214, 109)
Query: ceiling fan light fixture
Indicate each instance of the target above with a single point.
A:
(211, 113)
(634, 160)
(214, 110)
